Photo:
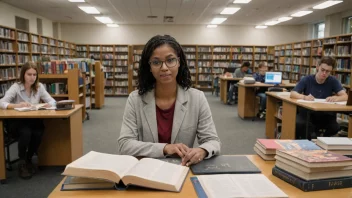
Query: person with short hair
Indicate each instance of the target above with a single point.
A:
(321, 86)
(239, 73)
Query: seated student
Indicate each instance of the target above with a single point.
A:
(260, 77)
(239, 73)
(165, 115)
(24, 93)
(322, 86)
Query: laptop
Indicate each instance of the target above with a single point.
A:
(273, 78)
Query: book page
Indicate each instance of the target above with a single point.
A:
(118, 164)
(322, 101)
(157, 170)
(239, 185)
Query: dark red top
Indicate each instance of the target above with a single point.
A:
(164, 120)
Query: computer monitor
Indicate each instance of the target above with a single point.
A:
(273, 77)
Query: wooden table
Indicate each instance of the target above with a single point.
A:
(247, 97)
(62, 138)
(188, 190)
(224, 87)
(289, 111)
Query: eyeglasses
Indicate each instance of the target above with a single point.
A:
(171, 62)
(325, 70)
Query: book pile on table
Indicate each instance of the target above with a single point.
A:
(313, 170)
(341, 145)
(266, 148)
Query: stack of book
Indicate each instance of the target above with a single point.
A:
(313, 170)
(266, 148)
(341, 145)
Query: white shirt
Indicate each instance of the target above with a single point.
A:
(17, 94)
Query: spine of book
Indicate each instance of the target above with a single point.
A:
(314, 185)
(198, 188)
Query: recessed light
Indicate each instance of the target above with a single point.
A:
(76, 1)
(230, 10)
(272, 22)
(89, 9)
(261, 26)
(326, 4)
(218, 20)
(301, 13)
(212, 26)
(112, 25)
(242, 1)
(104, 19)
(282, 19)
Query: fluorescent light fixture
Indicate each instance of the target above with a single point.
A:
(326, 4)
(230, 10)
(76, 1)
(301, 13)
(112, 25)
(272, 22)
(261, 26)
(242, 1)
(218, 20)
(212, 26)
(104, 19)
(282, 19)
(89, 10)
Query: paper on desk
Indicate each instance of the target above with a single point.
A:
(322, 101)
(284, 93)
(239, 185)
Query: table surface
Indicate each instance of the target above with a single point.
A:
(188, 190)
(259, 84)
(39, 114)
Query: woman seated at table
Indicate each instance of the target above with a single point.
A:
(164, 116)
(26, 92)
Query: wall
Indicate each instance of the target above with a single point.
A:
(185, 34)
(7, 18)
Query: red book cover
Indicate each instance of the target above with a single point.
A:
(269, 143)
(317, 156)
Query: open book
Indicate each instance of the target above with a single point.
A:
(34, 108)
(147, 172)
(322, 101)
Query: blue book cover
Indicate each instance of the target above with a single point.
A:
(198, 188)
(298, 145)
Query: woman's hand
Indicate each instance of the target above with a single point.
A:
(194, 156)
(47, 105)
(23, 104)
(179, 149)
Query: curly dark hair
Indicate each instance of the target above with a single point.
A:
(146, 80)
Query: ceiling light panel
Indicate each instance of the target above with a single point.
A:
(112, 25)
(218, 20)
(230, 10)
(89, 10)
(242, 1)
(212, 26)
(301, 13)
(282, 19)
(261, 26)
(272, 23)
(326, 4)
(76, 1)
(104, 20)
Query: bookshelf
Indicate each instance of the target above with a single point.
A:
(65, 86)
(98, 84)
(191, 54)
(136, 56)
(204, 67)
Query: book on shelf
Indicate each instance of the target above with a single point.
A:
(314, 185)
(35, 107)
(235, 185)
(127, 171)
(335, 143)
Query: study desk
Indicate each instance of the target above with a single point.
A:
(289, 111)
(188, 190)
(62, 138)
(224, 87)
(247, 97)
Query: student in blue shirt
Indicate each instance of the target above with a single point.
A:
(260, 77)
(26, 92)
(321, 86)
(239, 73)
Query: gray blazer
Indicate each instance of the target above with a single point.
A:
(192, 117)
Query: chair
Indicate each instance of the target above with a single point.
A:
(8, 141)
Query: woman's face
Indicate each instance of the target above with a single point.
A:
(30, 76)
(164, 64)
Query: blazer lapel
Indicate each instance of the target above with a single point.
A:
(180, 112)
(150, 114)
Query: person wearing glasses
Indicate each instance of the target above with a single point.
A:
(165, 115)
(260, 77)
(321, 86)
